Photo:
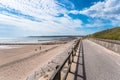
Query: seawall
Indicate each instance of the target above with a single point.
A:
(113, 45)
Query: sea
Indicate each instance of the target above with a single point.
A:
(30, 39)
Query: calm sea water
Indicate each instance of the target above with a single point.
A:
(29, 39)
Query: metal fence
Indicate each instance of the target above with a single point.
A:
(69, 59)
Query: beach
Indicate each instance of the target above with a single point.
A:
(22, 61)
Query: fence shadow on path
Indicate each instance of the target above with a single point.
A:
(80, 73)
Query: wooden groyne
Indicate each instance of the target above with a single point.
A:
(48, 43)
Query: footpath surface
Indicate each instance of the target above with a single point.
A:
(95, 63)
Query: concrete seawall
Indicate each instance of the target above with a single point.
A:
(109, 44)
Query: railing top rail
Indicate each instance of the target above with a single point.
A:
(60, 68)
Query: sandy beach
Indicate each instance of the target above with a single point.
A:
(21, 61)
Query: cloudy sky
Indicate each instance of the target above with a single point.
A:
(57, 17)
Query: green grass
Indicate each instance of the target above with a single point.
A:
(113, 34)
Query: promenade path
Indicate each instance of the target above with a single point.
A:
(95, 63)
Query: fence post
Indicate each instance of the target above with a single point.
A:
(73, 55)
(58, 76)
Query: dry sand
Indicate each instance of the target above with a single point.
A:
(18, 63)
(21, 52)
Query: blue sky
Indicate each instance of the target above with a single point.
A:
(57, 17)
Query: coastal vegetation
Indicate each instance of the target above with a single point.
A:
(113, 34)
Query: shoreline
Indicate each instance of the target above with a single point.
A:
(45, 43)
(40, 42)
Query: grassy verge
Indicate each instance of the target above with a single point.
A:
(113, 34)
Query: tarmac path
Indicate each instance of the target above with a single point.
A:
(95, 63)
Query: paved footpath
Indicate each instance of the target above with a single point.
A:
(95, 63)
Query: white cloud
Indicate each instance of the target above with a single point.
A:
(17, 13)
(74, 12)
(37, 8)
(66, 3)
(109, 9)
(95, 23)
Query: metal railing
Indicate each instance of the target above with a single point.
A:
(69, 59)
